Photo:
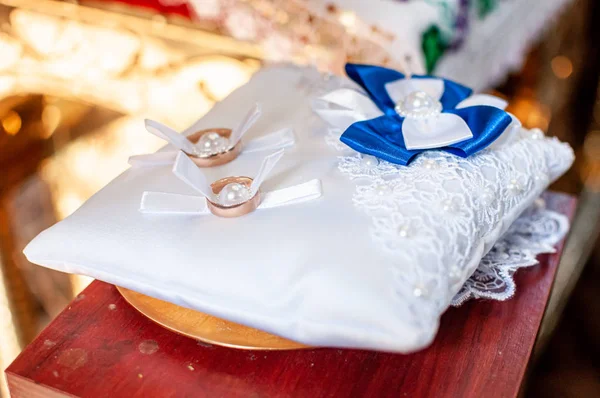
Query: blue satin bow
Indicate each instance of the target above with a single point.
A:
(382, 137)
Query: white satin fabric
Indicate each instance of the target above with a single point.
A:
(315, 272)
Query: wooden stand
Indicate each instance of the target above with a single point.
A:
(102, 347)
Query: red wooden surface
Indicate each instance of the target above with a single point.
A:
(101, 347)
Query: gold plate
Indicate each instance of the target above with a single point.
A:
(205, 327)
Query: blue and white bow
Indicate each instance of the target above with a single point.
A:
(400, 117)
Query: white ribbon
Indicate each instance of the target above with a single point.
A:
(270, 142)
(277, 140)
(171, 203)
(171, 136)
(188, 172)
(248, 121)
(344, 107)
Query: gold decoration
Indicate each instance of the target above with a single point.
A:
(205, 327)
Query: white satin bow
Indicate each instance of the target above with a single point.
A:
(187, 171)
(277, 140)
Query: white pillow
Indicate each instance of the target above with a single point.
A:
(372, 264)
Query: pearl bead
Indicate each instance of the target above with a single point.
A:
(403, 231)
(418, 104)
(383, 190)
(212, 143)
(537, 134)
(449, 206)
(369, 161)
(514, 186)
(430, 164)
(420, 291)
(233, 194)
(417, 100)
(454, 273)
(487, 197)
(540, 203)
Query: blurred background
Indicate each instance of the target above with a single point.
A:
(77, 78)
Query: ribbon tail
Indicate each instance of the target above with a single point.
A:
(170, 203)
(305, 192)
(277, 140)
(487, 124)
(381, 137)
(153, 159)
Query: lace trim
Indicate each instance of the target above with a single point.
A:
(437, 211)
(536, 232)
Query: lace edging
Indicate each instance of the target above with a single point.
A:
(536, 232)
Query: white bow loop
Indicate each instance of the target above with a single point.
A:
(341, 108)
(249, 120)
(266, 167)
(187, 171)
(171, 136)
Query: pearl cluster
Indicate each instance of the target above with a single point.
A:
(419, 105)
(233, 194)
(212, 143)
